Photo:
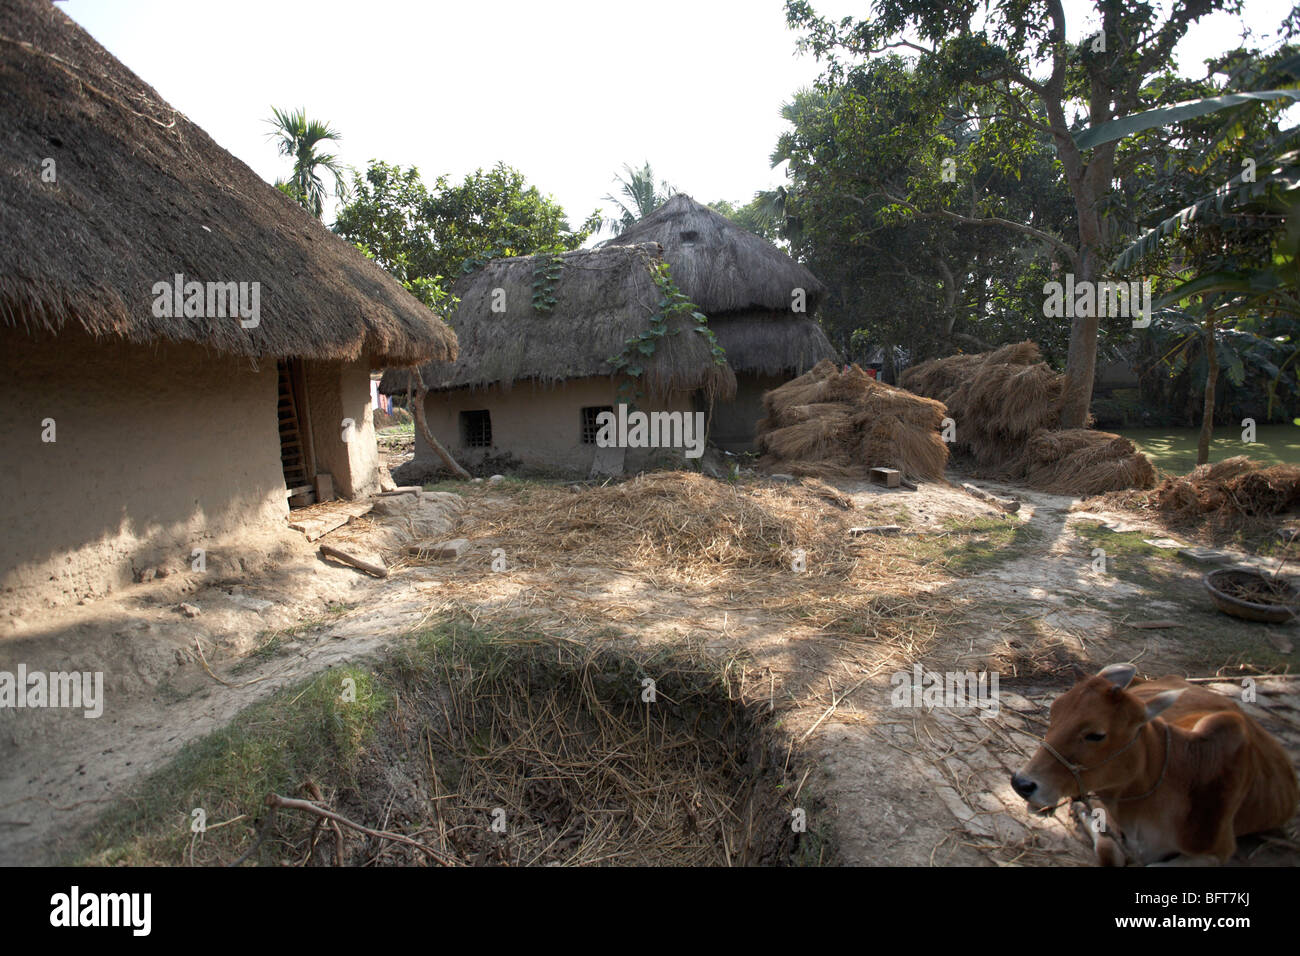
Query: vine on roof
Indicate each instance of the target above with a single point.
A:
(546, 273)
(639, 349)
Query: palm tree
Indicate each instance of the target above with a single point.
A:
(299, 138)
(640, 197)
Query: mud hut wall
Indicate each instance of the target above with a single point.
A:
(734, 425)
(157, 450)
(536, 427)
(336, 392)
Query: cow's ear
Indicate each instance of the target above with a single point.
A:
(1118, 674)
(1162, 702)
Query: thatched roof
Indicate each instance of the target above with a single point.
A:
(767, 344)
(720, 266)
(602, 297)
(142, 194)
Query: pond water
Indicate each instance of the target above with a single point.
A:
(1174, 450)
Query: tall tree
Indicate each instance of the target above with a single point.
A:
(1015, 54)
(896, 279)
(639, 195)
(427, 236)
(301, 139)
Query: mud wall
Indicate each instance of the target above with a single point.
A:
(157, 450)
(539, 427)
(336, 392)
(735, 422)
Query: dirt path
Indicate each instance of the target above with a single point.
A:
(918, 786)
(909, 786)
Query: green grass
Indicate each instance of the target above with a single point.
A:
(401, 428)
(352, 730)
(1174, 450)
(308, 731)
(1207, 639)
(970, 545)
(1133, 560)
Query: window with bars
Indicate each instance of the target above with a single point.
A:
(589, 426)
(476, 429)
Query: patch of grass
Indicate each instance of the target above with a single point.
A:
(1207, 642)
(971, 545)
(1130, 558)
(315, 730)
(815, 846)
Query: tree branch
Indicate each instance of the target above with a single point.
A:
(417, 409)
(1028, 230)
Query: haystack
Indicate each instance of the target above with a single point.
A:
(840, 424)
(1234, 486)
(1080, 461)
(1006, 405)
(997, 399)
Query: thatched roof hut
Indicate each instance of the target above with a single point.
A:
(135, 431)
(748, 289)
(602, 298)
(742, 282)
(140, 194)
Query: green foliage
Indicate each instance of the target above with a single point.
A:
(1227, 250)
(318, 729)
(761, 215)
(546, 273)
(897, 278)
(998, 91)
(640, 196)
(427, 236)
(300, 138)
(1165, 115)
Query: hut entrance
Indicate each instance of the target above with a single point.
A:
(295, 435)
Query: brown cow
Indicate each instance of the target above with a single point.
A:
(1177, 769)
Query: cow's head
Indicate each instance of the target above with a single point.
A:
(1092, 725)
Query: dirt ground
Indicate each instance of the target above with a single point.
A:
(1024, 595)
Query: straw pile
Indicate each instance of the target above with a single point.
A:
(998, 399)
(1080, 461)
(1234, 486)
(680, 527)
(833, 424)
(713, 543)
(559, 741)
(1006, 406)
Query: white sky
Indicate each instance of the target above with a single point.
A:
(566, 91)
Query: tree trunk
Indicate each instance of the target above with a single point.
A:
(1081, 362)
(1089, 184)
(1211, 376)
(417, 409)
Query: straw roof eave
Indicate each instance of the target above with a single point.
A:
(141, 194)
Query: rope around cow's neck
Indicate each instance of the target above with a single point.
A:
(1078, 770)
